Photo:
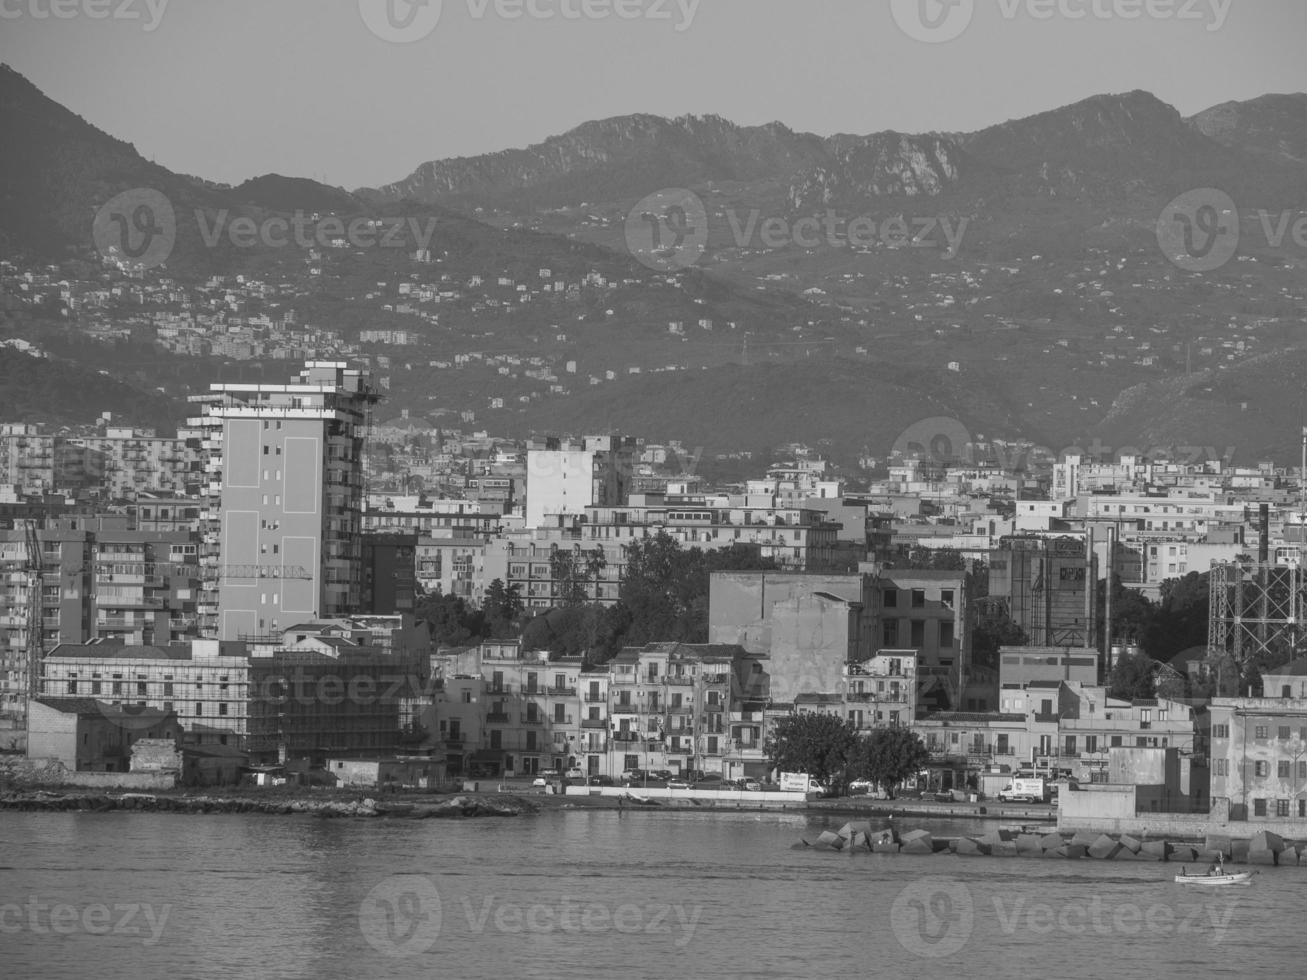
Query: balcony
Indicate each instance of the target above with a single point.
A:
(675, 681)
(497, 717)
(528, 719)
(626, 737)
(594, 722)
(596, 699)
(561, 692)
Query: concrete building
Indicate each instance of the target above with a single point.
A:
(564, 477)
(807, 625)
(286, 466)
(1258, 749)
(793, 536)
(1045, 585)
(925, 610)
(91, 735)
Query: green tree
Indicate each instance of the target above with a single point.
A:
(502, 607)
(1133, 677)
(1179, 620)
(887, 757)
(575, 573)
(665, 587)
(452, 621)
(818, 744)
(990, 633)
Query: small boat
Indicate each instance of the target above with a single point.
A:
(1221, 877)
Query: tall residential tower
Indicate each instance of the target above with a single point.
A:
(286, 481)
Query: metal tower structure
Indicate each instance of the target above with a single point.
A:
(1255, 607)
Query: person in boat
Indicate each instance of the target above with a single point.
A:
(1211, 870)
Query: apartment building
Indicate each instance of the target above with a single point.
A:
(285, 464)
(1258, 748)
(795, 537)
(564, 477)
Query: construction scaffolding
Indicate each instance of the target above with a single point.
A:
(1255, 608)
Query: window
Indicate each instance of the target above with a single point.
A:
(72, 686)
(945, 634)
(140, 689)
(918, 633)
(1282, 769)
(1302, 770)
(918, 598)
(222, 707)
(889, 633)
(95, 687)
(1259, 808)
(1261, 768)
(1069, 746)
(1091, 743)
(1261, 731)
(199, 707)
(891, 598)
(1283, 733)
(1220, 731)
(1281, 808)
(946, 597)
(1219, 767)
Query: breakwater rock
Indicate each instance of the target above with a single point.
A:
(865, 836)
(456, 807)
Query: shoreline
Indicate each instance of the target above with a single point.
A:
(506, 802)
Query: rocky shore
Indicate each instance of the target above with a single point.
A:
(455, 807)
(883, 838)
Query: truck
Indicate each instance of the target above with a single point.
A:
(1030, 789)
(800, 782)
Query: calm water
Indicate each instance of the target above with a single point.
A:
(595, 894)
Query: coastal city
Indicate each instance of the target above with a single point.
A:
(586, 611)
(548, 488)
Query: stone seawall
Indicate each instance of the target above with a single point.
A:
(867, 836)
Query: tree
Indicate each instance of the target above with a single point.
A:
(1133, 677)
(1179, 621)
(818, 744)
(887, 757)
(452, 621)
(575, 572)
(992, 632)
(502, 606)
(665, 587)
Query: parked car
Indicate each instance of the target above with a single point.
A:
(539, 782)
(550, 774)
(662, 775)
(575, 773)
(633, 775)
(677, 784)
(601, 780)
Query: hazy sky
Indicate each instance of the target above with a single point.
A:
(229, 89)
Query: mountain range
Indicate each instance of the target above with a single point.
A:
(1058, 319)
